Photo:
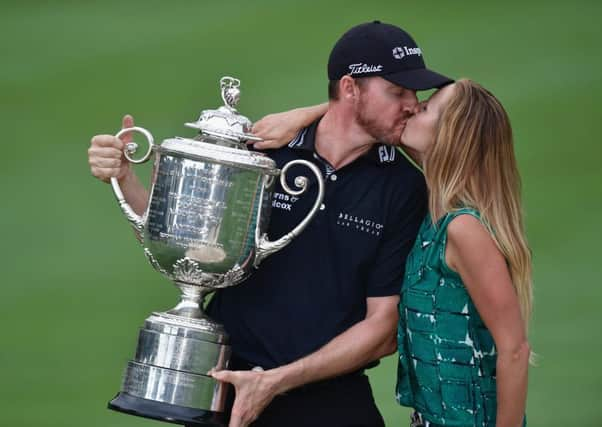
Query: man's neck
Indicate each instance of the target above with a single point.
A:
(339, 140)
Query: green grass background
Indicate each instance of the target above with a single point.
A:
(75, 285)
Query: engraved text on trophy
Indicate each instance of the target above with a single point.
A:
(203, 211)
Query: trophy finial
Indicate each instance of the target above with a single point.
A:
(230, 91)
(225, 124)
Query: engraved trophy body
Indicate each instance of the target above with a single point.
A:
(204, 229)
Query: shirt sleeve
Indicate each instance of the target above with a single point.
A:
(407, 210)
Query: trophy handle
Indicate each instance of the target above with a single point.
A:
(266, 247)
(130, 148)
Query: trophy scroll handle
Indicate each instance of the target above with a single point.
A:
(135, 220)
(266, 247)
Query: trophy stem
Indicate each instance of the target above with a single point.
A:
(191, 301)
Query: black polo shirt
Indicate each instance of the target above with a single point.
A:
(303, 296)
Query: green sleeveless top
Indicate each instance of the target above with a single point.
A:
(447, 357)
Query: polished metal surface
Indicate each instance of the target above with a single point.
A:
(204, 149)
(206, 219)
(201, 219)
(132, 147)
(225, 123)
(174, 387)
(182, 354)
(204, 229)
(201, 328)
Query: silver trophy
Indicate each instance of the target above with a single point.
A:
(204, 229)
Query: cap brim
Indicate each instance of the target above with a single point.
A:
(419, 79)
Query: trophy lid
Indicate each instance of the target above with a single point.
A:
(204, 151)
(223, 136)
(226, 122)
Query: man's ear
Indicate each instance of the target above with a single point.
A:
(348, 88)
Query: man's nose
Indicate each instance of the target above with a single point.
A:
(410, 110)
(411, 104)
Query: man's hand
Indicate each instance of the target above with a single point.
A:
(254, 391)
(107, 160)
(105, 154)
(367, 340)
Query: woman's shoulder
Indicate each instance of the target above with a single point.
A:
(465, 221)
(466, 227)
(458, 222)
(469, 240)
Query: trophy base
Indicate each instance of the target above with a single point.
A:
(132, 405)
(169, 380)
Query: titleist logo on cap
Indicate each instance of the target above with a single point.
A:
(364, 68)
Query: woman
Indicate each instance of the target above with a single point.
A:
(466, 297)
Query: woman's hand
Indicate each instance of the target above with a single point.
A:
(278, 129)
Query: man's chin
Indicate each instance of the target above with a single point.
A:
(392, 143)
(394, 140)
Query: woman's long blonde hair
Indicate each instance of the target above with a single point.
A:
(471, 164)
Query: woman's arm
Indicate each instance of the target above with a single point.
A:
(279, 129)
(474, 255)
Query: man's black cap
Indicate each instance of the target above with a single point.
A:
(378, 49)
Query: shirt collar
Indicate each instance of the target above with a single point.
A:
(306, 138)
(379, 153)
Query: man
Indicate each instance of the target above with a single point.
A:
(308, 322)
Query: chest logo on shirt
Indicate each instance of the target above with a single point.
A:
(355, 222)
(386, 154)
(283, 201)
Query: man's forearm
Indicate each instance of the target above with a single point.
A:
(134, 192)
(366, 341)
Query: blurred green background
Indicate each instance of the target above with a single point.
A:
(75, 283)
